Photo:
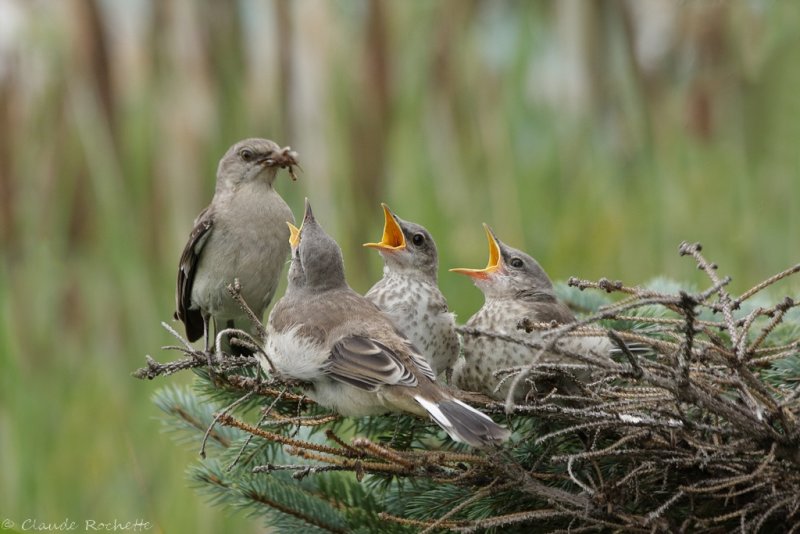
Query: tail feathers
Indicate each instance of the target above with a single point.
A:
(193, 320)
(464, 423)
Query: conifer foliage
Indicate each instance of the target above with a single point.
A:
(694, 426)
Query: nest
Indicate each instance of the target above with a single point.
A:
(693, 426)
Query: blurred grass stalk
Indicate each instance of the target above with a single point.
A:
(597, 136)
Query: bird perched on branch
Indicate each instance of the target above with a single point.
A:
(241, 234)
(515, 287)
(409, 293)
(323, 332)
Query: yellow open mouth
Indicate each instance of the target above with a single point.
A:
(294, 234)
(393, 237)
(495, 259)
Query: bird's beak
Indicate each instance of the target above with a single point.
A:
(294, 234)
(495, 258)
(393, 238)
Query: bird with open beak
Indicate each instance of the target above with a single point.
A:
(409, 292)
(515, 287)
(357, 362)
(241, 234)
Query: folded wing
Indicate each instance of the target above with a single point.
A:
(368, 364)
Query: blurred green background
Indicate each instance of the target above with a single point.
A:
(596, 135)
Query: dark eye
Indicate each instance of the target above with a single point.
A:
(418, 239)
(516, 263)
(246, 154)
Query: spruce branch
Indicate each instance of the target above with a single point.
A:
(766, 283)
(225, 411)
(699, 432)
(264, 414)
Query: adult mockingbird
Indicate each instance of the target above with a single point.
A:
(241, 235)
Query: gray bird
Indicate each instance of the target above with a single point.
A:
(241, 234)
(515, 287)
(409, 293)
(358, 363)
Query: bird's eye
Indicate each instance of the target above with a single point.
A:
(246, 154)
(516, 263)
(418, 239)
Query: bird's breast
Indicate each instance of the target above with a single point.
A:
(249, 241)
(295, 355)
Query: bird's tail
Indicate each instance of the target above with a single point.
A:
(464, 423)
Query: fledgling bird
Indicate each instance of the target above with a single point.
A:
(358, 363)
(515, 287)
(241, 234)
(409, 292)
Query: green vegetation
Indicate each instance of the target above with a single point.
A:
(696, 433)
(111, 124)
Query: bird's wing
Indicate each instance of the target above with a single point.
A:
(543, 307)
(545, 312)
(369, 364)
(419, 360)
(192, 318)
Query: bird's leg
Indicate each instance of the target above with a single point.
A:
(209, 353)
(205, 331)
(207, 342)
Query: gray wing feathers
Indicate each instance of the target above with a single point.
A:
(192, 318)
(422, 363)
(419, 360)
(367, 364)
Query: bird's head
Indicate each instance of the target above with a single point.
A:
(315, 254)
(508, 272)
(253, 159)
(406, 246)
